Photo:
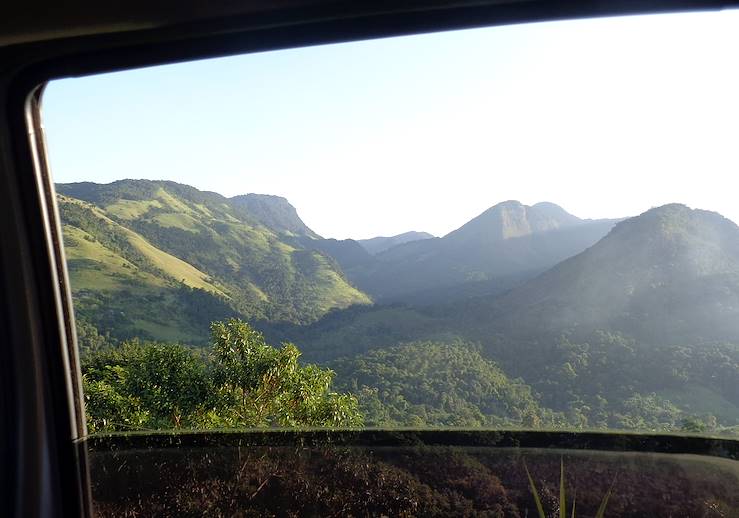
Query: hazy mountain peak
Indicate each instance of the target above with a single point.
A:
(554, 211)
(671, 237)
(676, 221)
(274, 212)
(547, 205)
(507, 204)
(379, 244)
(511, 218)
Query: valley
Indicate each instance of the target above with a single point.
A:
(525, 316)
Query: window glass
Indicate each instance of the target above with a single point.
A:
(526, 226)
(529, 227)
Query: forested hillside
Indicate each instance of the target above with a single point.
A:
(137, 249)
(638, 331)
(668, 275)
(436, 384)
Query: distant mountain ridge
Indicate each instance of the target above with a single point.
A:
(668, 276)
(638, 331)
(511, 219)
(508, 240)
(379, 244)
(669, 273)
(255, 254)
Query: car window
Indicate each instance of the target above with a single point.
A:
(529, 227)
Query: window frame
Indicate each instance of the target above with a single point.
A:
(43, 431)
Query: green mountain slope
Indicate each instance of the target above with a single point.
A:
(662, 288)
(174, 235)
(669, 276)
(348, 253)
(635, 326)
(127, 287)
(273, 212)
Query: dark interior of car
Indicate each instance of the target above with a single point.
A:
(48, 463)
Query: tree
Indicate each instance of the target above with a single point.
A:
(145, 385)
(242, 382)
(265, 386)
(693, 424)
(109, 409)
(171, 382)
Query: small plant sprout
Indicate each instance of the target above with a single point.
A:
(563, 495)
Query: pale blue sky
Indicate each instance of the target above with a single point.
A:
(605, 117)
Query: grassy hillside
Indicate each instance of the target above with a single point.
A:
(274, 212)
(127, 287)
(143, 239)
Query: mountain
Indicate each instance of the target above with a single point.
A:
(671, 273)
(638, 331)
(376, 245)
(524, 315)
(645, 322)
(125, 286)
(511, 219)
(274, 212)
(510, 240)
(348, 253)
(135, 246)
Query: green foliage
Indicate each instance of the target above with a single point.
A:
(359, 329)
(563, 492)
(693, 424)
(109, 408)
(84, 216)
(266, 386)
(437, 384)
(648, 412)
(89, 338)
(535, 494)
(600, 379)
(148, 312)
(159, 385)
(242, 382)
(118, 288)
